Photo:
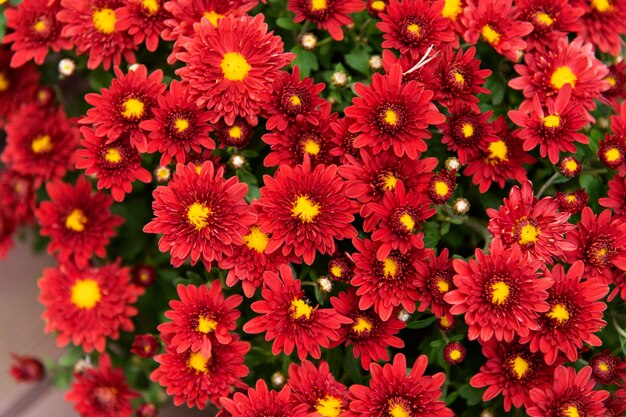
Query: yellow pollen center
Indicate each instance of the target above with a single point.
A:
(4, 82)
(570, 198)
(559, 313)
(181, 125)
(132, 108)
(603, 366)
(113, 156)
(391, 117)
(520, 366)
(612, 154)
(498, 150)
(335, 270)
(455, 354)
(206, 325)
(256, 240)
(444, 322)
(235, 132)
(104, 20)
(389, 181)
(490, 35)
(602, 5)
(611, 80)
(361, 325)
(443, 286)
(300, 309)
(458, 77)
(414, 29)
(41, 144)
(552, 120)
(329, 406)
(571, 165)
(561, 76)
(529, 234)
(305, 209)
(40, 26)
(311, 147)
(441, 188)
(213, 17)
(318, 5)
(150, 6)
(452, 9)
(198, 215)
(390, 268)
(500, 292)
(85, 293)
(198, 362)
(397, 410)
(76, 221)
(571, 411)
(234, 66)
(468, 130)
(295, 100)
(378, 5)
(407, 221)
(544, 18)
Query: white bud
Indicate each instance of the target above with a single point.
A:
(376, 62)
(325, 285)
(308, 41)
(67, 67)
(461, 206)
(339, 79)
(452, 163)
(278, 379)
(403, 315)
(237, 161)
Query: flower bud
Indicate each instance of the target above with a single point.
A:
(454, 353)
(143, 275)
(452, 164)
(441, 186)
(605, 367)
(308, 41)
(145, 345)
(340, 268)
(569, 167)
(66, 67)
(26, 369)
(236, 161)
(339, 79)
(162, 173)
(461, 206)
(376, 63)
(146, 410)
(278, 380)
(446, 324)
(403, 315)
(325, 284)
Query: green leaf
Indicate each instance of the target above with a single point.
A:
(359, 60)
(432, 234)
(472, 395)
(286, 23)
(450, 398)
(3, 22)
(305, 60)
(420, 324)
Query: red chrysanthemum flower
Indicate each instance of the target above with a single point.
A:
(600, 242)
(17, 195)
(570, 167)
(342, 141)
(341, 267)
(512, 370)
(317, 389)
(389, 114)
(499, 293)
(101, 391)
(90, 25)
(78, 221)
(617, 81)
(329, 15)
(616, 404)
(195, 379)
(44, 150)
(238, 134)
(441, 186)
(376, 7)
(554, 129)
(289, 320)
(571, 394)
(454, 353)
(612, 152)
(465, 130)
(603, 24)
(262, 402)
(388, 283)
(616, 197)
(412, 26)
(35, 30)
(393, 392)
(178, 126)
(547, 70)
(434, 280)
(116, 165)
(17, 85)
(496, 22)
(369, 336)
(572, 202)
(575, 314)
(26, 369)
(608, 369)
(144, 20)
(200, 214)
(145, 345)
(124, 105)
(227, 70)
(534, 225)
(87, 305)
(201, 318)
(305, 209)
(552, 20)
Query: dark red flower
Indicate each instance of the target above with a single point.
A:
(616, 198)
(434, 280)
(341, 267)
(608, 369)
(441, 186)
(262, 402)
(570, 166)
(144, 20)
(17, 85)
(612, 152)
(17, 195)
(617, 81)
(317, 389)
(330, 15)
(143, 275)
(454, 353)
(552, 20)
(8, 225)
(238, 134)
(572, 202)
(603, 24)
(26, 368)
(465, 130)
(145, 345)
(342, 141)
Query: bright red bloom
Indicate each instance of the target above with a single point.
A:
(511, 370)
(262, 402)
(392, 392)
(227, 70)
(124, 105)
(177, 125)
(145, 345)
(90, 25)
(26, 369)
(551, 19)
(388, 283)
(369, 336)
(616, 198)
(496, 22)
(500, 294)
(17, 195)
(35, 30)
(78, 221)
(390, 114)
(434, 280)
(342, 141)
(616, 404)
(200, 214)
(571, 394)
(603, 24)
(144, 20)
(305, 209)
(17, 85)
(101, 391)
(116, 165)
(554, 129)
(465, 130)
(572, 202)
(412, 26)
(317, 389)
(201, 318)
(330, 15)
(288, 319)
(195, 379)
(86, 306)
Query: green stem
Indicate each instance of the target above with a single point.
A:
(472, 224)
(547, 184)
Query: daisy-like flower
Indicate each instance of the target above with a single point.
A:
(547, 70)
(194, 379)
(17, 85)
(572, 202)
(200, 214)
(603, 24)
(571, 394)
(201, 318)
(35, 31)
(512, 370)
(238, 134)
(341, 267)
(144, 20)
(369, 336)
(329, 15)
(305, 209)
(600, 242)
(434, 280)
(465, 130)
(389, 114)
(44, 150)
(102, 391)
(90, 25)
(412, 26)
(575, 314)
(612, 152)
(263, 402)
(17, 195)
(496, 22)
(393, 392)
(317, 389)
(617, 81)
(388, 283)
(124, 105)
(570, 167)
(551, 20)
(500, 293)
(535, 226)
(454, 353)
(554, 129)
(85, 306)
(289, 320)
(116, 165)
(608, 369)
(227, 70)
(178, 126)
(342, 141)
(78, 221)
(616, 197)
(441, 186)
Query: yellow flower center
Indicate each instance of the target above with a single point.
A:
(571, 411)
(361, 325)
(571, 165)
(113, 156)
(300, 309)
(234, 66)
(561, 76)
(500, 292)
(570, 198)
(318, 5)
(305, 209)
(445, 323)
(132, 108)
(604, 367)
(295, 100)
(41, 144)
(198, 363)
(455, 354)
(468, 130)
(390, 268)
(389, 181)
(441, 188)
(529, 234)
(458, 77)
(612, 154)
(181, 124)
(611, 80)
(498, 151)
(397, 410)
(76, 221)
(452, 9)
(40, 26)
(206, 325)
(552, 120)
(198, 215)
(391, 117)
(490, 35)
(378, 5)
(4, 82)
(85, 293)
(235, 132)
(213, 17)
(519, 366)
(104, 20)
(256, 239)
(559, 313)
(329, 406)
(150, 6)
(311, 147)
(407, 221)
(602, 6)
(414, 29)
(335, 270)
(443, 286)
(544, 18)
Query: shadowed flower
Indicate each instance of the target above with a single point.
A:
(330, 15)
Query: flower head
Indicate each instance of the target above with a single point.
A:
(26, 369)
(317, 389)
(435, 281)
(262, 402)
(326, 14)
(572, 202)
(465, 130)
(144, 20)
(603, 24)
(17, 85)
(551, 20)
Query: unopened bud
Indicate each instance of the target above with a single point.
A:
(376, 63)
(403, 315)
(461, 206)
(133, 67)
(308, 41)
(236, 161)
(325, 285)
(339, 79)
(163, 174)
(278, 379)
(452, 164)
(66, 67)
